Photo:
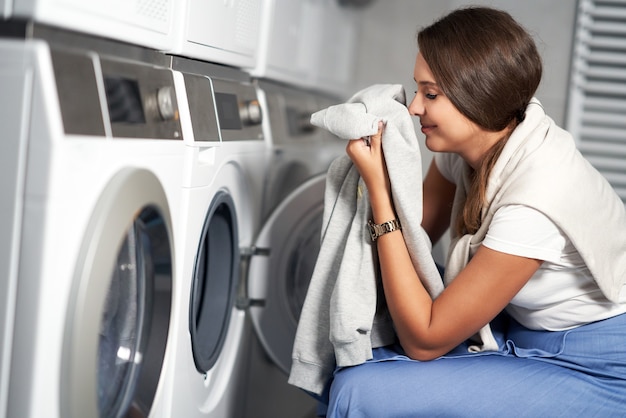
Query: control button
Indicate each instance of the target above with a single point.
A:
(298, 122)
(165, 103)
(304, 123)
(251, 113)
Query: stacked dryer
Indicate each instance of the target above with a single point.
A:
(92, 166)
(309, 44)
(287, 245)
(148, 23)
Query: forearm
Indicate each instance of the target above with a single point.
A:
(409, 303)
(430, 328)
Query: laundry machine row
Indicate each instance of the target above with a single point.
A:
(131, 188)
(163, 218)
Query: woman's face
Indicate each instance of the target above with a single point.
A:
(446, 129)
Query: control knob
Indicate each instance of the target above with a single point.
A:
(304, 123)
(251, 113)
(165, 101)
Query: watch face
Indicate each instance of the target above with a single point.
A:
(372, 228)
(372, 232)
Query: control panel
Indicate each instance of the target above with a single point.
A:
(223, 103)
(105, 96)
(141, 100)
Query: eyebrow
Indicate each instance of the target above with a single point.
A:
(425, 83)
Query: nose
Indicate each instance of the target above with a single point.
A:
(416, 107)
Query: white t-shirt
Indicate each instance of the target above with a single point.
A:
(562, 294)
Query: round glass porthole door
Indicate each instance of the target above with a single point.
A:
(136, 311)
(119, 319)
(215, 276)
(278, 280)
(300, 262)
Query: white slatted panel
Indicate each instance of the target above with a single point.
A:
(597, 103)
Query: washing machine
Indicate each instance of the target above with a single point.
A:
(286, 247)
(225, 163)
(92, 169)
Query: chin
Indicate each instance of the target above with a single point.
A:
(435, 146)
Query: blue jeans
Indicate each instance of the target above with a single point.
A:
(574, 373)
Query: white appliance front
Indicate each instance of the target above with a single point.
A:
(92, 257)
(208, 331)
(224, 168)
(290, 41)
(308, 44)
(335, 63)
(149, 23)
(224, 32)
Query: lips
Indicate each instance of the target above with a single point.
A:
(426, 128)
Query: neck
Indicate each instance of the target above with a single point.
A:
(483, 146)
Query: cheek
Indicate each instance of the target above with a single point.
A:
(456, 129)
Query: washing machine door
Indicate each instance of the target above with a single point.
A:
(118, 319)
(215, 276)
(279, 275)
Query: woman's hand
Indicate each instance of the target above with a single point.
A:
(370, 161)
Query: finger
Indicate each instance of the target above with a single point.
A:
(377, 137)
(355, 146)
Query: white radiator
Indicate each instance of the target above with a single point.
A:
(596, 113)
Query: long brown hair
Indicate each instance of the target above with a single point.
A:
(489, 67)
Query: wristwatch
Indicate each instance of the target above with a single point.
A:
(377, 230)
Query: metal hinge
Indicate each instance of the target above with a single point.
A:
(243, 301)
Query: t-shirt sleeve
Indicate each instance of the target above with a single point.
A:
(526, 232)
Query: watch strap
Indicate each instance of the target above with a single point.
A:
(377, 230)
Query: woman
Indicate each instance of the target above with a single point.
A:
(537, 259)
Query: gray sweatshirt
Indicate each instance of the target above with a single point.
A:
(344, 315)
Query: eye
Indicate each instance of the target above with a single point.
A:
(430, 96)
